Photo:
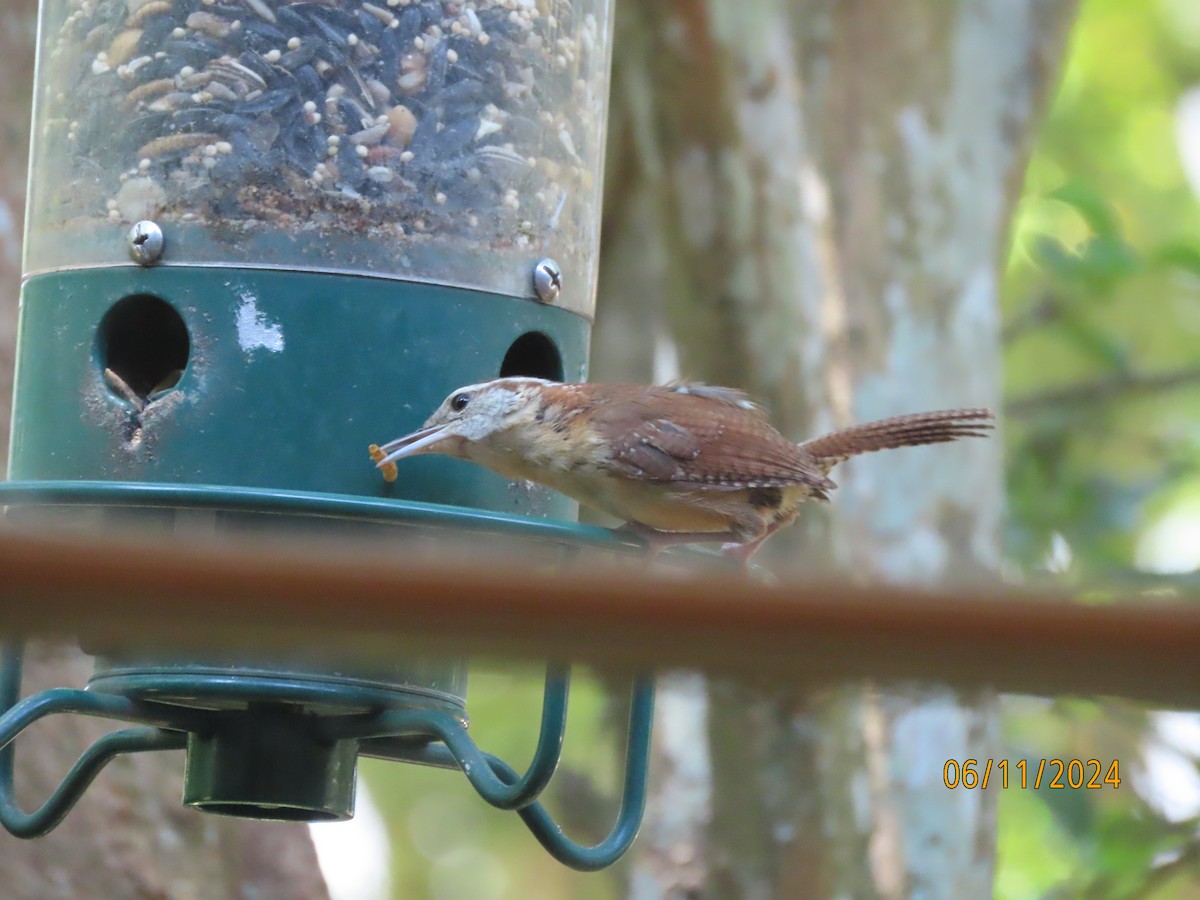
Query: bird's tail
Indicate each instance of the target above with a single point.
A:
(899, 431)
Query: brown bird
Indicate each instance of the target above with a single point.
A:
(679, 463)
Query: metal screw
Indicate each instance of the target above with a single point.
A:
(547, 280)
(145, 242)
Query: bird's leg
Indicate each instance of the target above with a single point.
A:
(741, 551)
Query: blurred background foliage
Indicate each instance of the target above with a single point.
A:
(1102, 352)
(1102, 345)
(1102, 297)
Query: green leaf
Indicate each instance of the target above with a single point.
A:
(1053, 256)
(1097, 343)
(1177, 256)
(1107, 258)
(1100, 215)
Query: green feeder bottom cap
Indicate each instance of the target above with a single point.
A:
(267, 763)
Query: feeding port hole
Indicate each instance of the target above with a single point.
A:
(532, 355)
(144, 342)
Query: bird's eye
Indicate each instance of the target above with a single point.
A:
(459, 402)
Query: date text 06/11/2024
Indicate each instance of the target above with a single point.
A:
(1056, 774)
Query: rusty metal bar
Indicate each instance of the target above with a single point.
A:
(268, 593)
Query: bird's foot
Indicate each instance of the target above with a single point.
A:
(656, 541)
(741, 552)
(737, 551)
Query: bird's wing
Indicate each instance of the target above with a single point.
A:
(708, 441)
(655, 449)
(727, 395)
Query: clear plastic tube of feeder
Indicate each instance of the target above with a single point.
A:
(430, 140)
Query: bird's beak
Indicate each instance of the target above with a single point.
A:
(420, 441)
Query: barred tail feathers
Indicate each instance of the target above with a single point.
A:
(899, 431)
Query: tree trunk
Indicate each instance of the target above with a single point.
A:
(129, 836)
(810, 201)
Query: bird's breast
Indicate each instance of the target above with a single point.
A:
(551, 456)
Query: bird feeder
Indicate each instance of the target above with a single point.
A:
(261, 235)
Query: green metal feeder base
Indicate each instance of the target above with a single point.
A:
(269, 762)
